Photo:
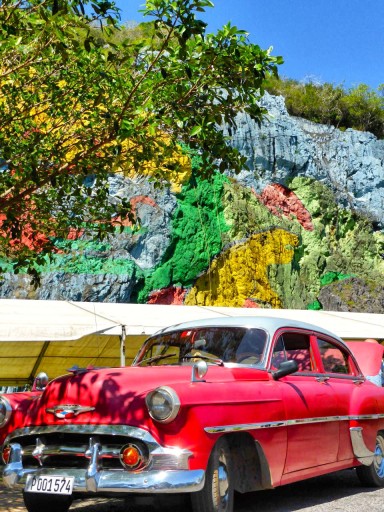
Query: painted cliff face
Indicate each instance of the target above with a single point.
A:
(228, 241)
(239, 274)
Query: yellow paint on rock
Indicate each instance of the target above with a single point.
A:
(172, 165)
(240, 272)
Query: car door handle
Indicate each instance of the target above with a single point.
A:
(323, 380)
(358, 382)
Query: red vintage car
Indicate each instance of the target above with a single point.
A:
(207, 408)
(13, 406)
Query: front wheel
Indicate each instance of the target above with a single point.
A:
(217, 493)
(36, 502)
(373, 475)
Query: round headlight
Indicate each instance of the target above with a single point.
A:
(5, 411)
(163, 404)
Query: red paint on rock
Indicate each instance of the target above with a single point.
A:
(249, 303)
(282, 201)
(134, 202)
(28, 237)
(173, 295)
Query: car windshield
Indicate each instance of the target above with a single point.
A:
(215, 345)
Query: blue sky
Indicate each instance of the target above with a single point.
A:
(336, 41)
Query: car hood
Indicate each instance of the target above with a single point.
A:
(117, 395)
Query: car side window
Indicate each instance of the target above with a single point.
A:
(293, 346)
(334, 359)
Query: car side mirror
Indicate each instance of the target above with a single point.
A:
(285, 368)
(40, 382)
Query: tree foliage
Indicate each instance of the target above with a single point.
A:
(78, 102)
(360, 107)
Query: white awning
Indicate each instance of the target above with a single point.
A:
(48, 320)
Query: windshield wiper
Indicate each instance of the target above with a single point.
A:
(156, 358)
(215, 360)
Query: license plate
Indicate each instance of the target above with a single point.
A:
(49, 484)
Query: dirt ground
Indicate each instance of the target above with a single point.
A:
(12, 501)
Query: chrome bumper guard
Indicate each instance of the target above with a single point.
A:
(93, 480)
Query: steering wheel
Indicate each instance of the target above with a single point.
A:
(248, 358)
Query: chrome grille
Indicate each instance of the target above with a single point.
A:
(72, 446)
(68, 450)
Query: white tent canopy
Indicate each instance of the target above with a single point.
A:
(40, 335)
(48, 320)
(148, 318)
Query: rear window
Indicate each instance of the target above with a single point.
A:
(334, 359)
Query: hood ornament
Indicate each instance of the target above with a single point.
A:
(76, 370)
(68, 411)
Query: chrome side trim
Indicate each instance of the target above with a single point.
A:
(360, 449)
(288, 423)
(244, 426)
(367, 417)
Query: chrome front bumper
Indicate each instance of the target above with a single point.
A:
(118, 481)
(167, 473)
(107, 481)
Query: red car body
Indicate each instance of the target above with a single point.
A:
(15, 406)
(208, 407)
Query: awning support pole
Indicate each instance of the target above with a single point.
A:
(122, 346)
(38, 361)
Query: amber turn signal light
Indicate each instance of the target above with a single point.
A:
(132, 457)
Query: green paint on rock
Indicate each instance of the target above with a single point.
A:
(315, 306)
(198, 231)
(89, 257)
(331, 277)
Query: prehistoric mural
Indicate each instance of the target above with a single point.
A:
(285, 235)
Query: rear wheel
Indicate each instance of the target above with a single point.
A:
(37, 502)
(217, 493)
(373, 475)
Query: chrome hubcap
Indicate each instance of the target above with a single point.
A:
(379, 457)
(223, 484)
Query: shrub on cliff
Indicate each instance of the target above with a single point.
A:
(359, 107)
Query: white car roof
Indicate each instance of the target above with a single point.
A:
(268, 323)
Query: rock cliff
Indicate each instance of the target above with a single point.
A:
(350, 163)
(301, 229)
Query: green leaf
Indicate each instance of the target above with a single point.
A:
(195, 131)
